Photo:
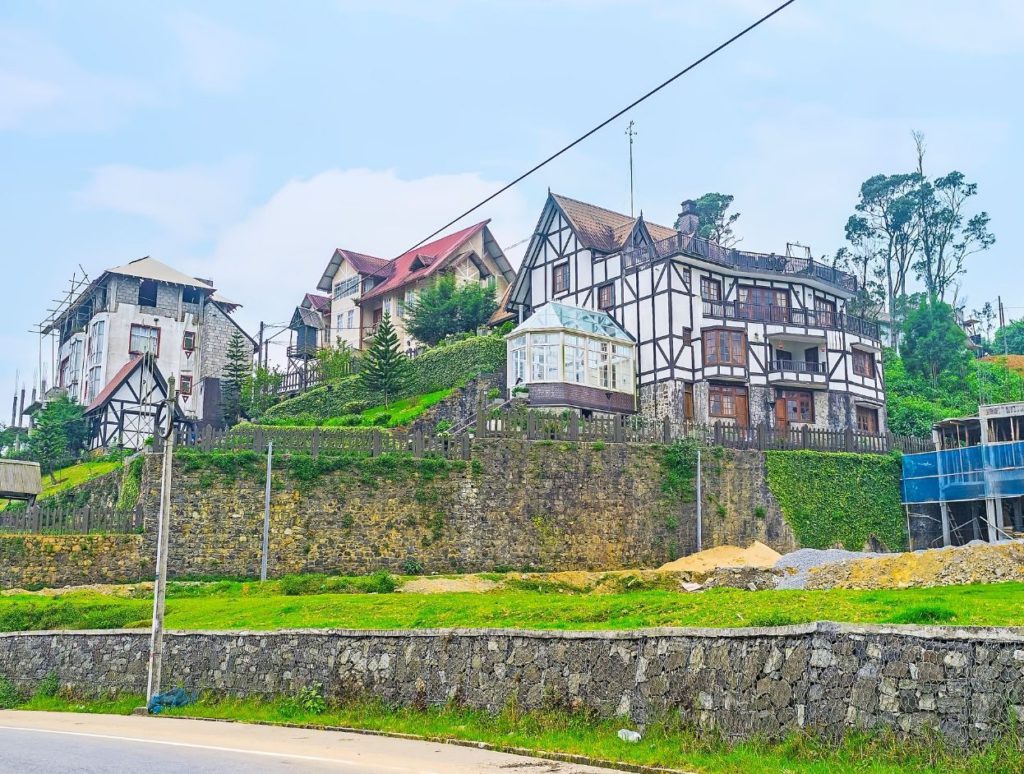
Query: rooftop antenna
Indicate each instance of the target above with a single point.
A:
(631, 134)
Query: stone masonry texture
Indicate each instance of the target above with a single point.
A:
(518, 505)
(966, 684)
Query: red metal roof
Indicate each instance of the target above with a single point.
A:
(114, 383)
(432, 256)
(319, 303)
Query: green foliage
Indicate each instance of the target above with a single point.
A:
(131, 485)
(831, 499)
(443, 368)
(1009, 339)
(308, 701)
(380, 582)
(412, 566)
(49, 686)
(259, 391)
(680, 469)
(10, 696)
(446, 308)
(385, 370)
(933, 343)
(927, 615)
(236, 371)
(60, 430)
(714, 223)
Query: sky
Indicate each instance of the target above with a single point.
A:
(245, 141)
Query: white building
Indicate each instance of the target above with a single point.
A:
(126, 332)
(721, 334)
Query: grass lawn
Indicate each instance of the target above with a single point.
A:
(667, 742)
(230, 605)
(73, 476)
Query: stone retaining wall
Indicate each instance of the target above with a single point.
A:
(968, 684)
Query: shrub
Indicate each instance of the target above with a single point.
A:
(380, 582)
(381, 420)
(355, 406)
(308, 701)
(412, 566)
(10, 697)
(49, 686)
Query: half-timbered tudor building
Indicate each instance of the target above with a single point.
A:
(182, 326)
(721, 334)
(363, 287)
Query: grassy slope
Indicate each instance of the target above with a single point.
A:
(665, 743)
(73, 476)
(992, 605)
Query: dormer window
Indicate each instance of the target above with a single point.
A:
(638, 239)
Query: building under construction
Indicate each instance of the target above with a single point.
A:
(972, 486)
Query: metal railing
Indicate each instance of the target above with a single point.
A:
(798, 366)
(698, 247)
(785, 315)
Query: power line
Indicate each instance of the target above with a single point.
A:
(607, 121)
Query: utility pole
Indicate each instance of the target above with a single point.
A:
(156, 642)
(700, 507)
(259, 356)
(1002, 324)
(631, 134)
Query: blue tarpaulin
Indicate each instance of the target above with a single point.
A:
(971, 473)
(178, 697)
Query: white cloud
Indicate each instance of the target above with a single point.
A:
(42, 88)
(279, 250)
(189, 203)
(216, 58)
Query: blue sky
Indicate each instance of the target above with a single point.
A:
(245, 141)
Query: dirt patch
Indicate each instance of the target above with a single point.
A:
(469, 583)
(973, 563)
(756, 555)
(109, 589)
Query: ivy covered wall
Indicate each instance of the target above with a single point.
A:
(832, 499)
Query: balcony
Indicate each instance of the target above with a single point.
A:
(302, 352)
(705, 250)
(797, 373)
(785, 315)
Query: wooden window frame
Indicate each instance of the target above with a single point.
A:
(560, 278)
(186, 338)
(687, 336)
(185, 384)
(861, 357)
(131, 331)
(602, 303)
(712, 354)
(726, 390)
(709, 282)
(869, 411)
(798, 396)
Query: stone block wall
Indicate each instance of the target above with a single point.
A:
(34, 561)
(965, 684)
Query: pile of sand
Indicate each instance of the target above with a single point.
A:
(468, 583)
(756, 555)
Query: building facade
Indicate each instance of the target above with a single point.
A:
(362, 287)
(144, 318)
(721, 334)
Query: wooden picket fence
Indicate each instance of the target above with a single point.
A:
(70, 521)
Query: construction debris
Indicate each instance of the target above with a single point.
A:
(756, 555)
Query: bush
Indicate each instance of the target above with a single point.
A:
(355, 406)
(10, 697)
(381, 582)
(308, 701)
(412, 566)
(49, 686)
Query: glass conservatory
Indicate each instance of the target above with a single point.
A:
(568, 356)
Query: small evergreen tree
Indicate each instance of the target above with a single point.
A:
(446, 308)
(385, 369)
(237, 371)
(933, 343)
(59, 429)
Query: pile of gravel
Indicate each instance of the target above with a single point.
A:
(796, 565)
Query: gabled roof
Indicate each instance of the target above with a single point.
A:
(150, 268)
(423, 261)
(306, 317)
(125, 373)
(363, 264)
(601, 229)
(318, 303)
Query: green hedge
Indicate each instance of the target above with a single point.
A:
(831, 499)
(437, 369)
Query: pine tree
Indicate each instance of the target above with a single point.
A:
(236, 372)
(385, 369)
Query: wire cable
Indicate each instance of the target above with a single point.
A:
(607, 121)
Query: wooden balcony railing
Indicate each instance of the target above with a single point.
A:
(786, 315)
(698, 247)
(797, 366)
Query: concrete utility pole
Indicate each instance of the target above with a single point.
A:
(631, 134)
(156, 641)
(700, 507)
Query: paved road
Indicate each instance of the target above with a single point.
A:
(44, 742)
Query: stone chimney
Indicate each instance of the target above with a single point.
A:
(688, 222)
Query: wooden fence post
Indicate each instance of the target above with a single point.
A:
(466, 448)
(805, 437)
(574, 427)
(315, 443)
(666, 430)
(35, 518)
(849, 440)
(376, 447)
(762, 436)
(718, 432)
(257, 440)
(619, 428)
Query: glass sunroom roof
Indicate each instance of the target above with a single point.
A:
(573, 318)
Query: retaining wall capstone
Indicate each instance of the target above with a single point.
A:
(968, 684)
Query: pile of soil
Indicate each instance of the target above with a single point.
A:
(756, 555)
(470, 583)
(974, 563)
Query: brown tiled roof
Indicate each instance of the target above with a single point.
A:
(364, 264)
(601, 229)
